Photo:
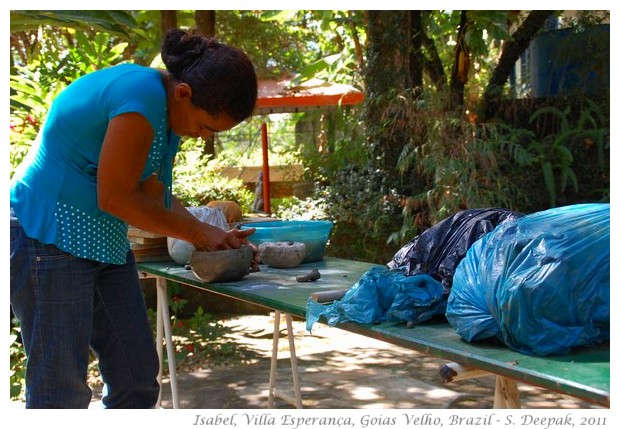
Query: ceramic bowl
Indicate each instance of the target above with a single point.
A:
(218, 266)
(282, 254)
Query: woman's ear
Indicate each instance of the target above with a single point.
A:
(183, 90)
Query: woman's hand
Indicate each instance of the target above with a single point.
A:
(208, 237)
(256, 256)
(237, 237)
(242, 235)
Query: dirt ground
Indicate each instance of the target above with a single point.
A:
(337, 369)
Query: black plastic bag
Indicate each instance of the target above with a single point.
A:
(438, 250)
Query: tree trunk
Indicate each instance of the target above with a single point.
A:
(512, 50)
(460, 68)
(432, 62)
(416, 59)
(386, 75)
(168, 20)
(359, 54)
(205, 23)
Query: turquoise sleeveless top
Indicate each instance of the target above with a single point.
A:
(54, 191)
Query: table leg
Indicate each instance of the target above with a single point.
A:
(162, 307)
(274, 363)
(291, 343)
(159, 342)
(274, 358)
(506, 393)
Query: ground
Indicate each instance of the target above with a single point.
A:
(337, 369)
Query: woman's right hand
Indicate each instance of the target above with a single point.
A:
(209, 237)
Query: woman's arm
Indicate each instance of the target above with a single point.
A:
(121, 193)
(155, 189)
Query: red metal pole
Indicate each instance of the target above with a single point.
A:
(266, 190)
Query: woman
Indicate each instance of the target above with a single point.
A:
(103, 160)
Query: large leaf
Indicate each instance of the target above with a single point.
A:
(119, 23)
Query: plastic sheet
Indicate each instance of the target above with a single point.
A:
(383, 294)
(414, 286)
(539, 284)
(180, 250)
(438, 250)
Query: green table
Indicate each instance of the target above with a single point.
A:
(583, 374)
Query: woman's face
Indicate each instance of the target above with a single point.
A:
(187, 120)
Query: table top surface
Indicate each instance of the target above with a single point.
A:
(583, 373)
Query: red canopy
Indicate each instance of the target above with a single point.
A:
(280, 97)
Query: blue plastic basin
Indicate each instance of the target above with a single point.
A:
(313, 233)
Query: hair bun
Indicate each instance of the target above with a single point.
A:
(180, 49)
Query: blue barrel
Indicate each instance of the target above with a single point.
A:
(569, 62)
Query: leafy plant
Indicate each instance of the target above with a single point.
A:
(176, 304)
(553, 151)
(205, 325)
(116, 22)
(311, 208)
(197, 180)
(587, 18)
(361, 214)
(51, 69)
(17, 369)
(29, 103)
(467, 163)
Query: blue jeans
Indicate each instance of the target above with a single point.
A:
(67, 305)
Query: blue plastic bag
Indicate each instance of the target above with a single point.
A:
(540, 284)
(383, 294)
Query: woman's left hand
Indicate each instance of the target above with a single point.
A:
(238, 238)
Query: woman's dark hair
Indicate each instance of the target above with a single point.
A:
(222, 77)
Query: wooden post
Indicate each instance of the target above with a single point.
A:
(266, 190)
(506, 393)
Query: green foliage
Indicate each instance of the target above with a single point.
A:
(328, 140)
(176, 304)
(201, 334)
(198, 180)
(587, 18)
(242, 145)
(116, 22)
(54, 65)
(553, 151)
(470, 165)
(29, 103)
(483, 25)
(465, 167)
(311, 208)
(204, 324)
(283, 48)
(63, 56)
(17, 369)
(340, 36)
(361, 213)
(95, 52)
